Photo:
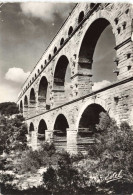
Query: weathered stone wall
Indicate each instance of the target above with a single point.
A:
(116, 100)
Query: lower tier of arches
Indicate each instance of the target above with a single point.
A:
(71, 127)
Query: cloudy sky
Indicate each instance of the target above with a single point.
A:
(26, 29)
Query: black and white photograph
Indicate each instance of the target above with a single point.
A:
(66, 98)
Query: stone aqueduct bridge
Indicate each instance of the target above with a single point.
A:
(69, 119)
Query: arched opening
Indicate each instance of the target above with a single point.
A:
(41, 131)
(42, 92)
(25, 101)
(61, 78)
(32, 103)
(60, 72)
(49, 57)
(25, 106)
(81, 17)
(32, 96)
(60, 132)
(55, 50)
(92, 5)
(87, 125)
(21, 106)
(96, 56)
(70, 30)
(62, 41)
(61, 124)
(31, 129)
(41, 67)
(90, 117)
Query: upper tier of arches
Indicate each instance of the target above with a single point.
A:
(80, 63)
(80, 17)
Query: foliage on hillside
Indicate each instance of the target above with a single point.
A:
(13, 134)
(114, 145)
(8, 108)
(31, 161)
(13, 142)
(106, 169)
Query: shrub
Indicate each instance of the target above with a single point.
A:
(66, 179)
(31, 160)
(50, 180)
(114, 149)
(13, 134)
(8, 108)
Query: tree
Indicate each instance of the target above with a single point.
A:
(66, 179)
(8, 108)
(114, 151)
(13, 134)
(50, 180)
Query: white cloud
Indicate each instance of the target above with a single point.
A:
(100, 85)
(16, 74)
(8, 93)
(45, 11)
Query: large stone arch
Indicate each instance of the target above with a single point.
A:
(89, 42)
(88, 45)
(42, 90)
(60, 72)
(32, 103)
(26, 101)
(101, 14)
(91, 31)
(59, 80)
(90, 116)
(32, 133)
(43, 93)
(97, 101)
(31, 127)
(42, 127)
(60, 132)
(61, 123)
(25, 106)
(32, 96)
(21, 106)
(56, 114)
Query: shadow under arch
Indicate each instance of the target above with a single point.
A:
(25, 101)
(61, 69)
(32, 96)
(25, 106)
(91, 37)
(21, 106)
(32, 103)
(60, 132)
(87, 126)
(90, 117)
(60, 72)
(42, 127)
(88, 46)
(31, 130)
(42, 92)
